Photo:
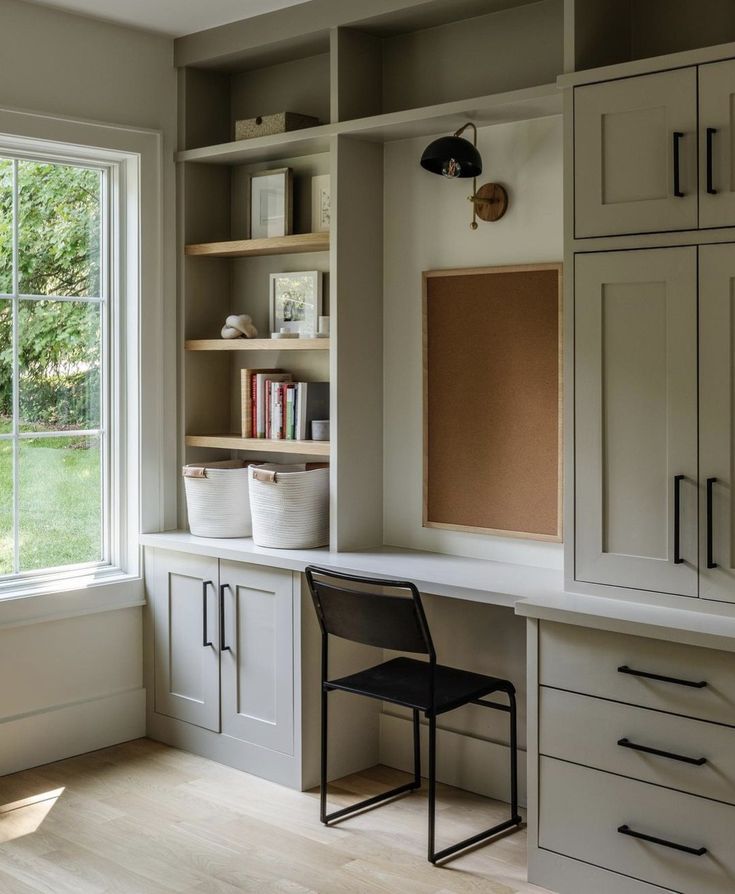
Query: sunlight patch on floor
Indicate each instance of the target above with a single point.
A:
(19, 818)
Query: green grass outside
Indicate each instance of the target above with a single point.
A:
(59, 503)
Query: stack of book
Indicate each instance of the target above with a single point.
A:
(276, 407)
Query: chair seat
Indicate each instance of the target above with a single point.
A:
(406, 681)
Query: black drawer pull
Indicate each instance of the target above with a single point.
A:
(711, 131)
(678, 136)
(206, 641)
(695, 761)
(695, 851)
(624, 669)
(710, 524)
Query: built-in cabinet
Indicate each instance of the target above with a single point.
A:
(655, 448)
(224, 646)
(655, 153)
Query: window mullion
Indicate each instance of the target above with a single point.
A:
(16, 378)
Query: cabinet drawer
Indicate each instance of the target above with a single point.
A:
(581, 811)
(588, 731)
(588, 661)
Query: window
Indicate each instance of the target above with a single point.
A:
(55, 366)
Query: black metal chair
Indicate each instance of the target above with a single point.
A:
(389, 615)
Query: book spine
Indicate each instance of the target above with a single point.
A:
(277, 415)
(260, 384)
(245, 400)
(253, 406)
(290, 395)
(268, 409)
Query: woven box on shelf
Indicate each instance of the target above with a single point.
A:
(266, 125)
(290, 505)
(217, 498)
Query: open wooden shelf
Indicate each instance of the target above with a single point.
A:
(257, 344)
(275, 245)
(294, 144)
(260, 445)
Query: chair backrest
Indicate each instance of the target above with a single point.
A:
(360, 610)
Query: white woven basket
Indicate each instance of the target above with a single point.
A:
(217, 498)
(290, 506)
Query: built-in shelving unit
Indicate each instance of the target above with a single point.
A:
(260, 445)
(257, 344)
(274, 245)
(405, 71)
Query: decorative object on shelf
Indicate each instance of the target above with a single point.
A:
(217, 498)
(320, 430)
(267, 125)
(456, 157)
(239, 326)
(323, 330)
(271, 203)
(284, 333)
(296, 302)
(321, 201)
(290, 505)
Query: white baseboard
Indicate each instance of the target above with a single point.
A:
(66, 730)
(466, 762)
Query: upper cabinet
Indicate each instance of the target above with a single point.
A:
(716, 144)
(636, 154)
(654, 153)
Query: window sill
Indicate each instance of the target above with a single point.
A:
(36, 603)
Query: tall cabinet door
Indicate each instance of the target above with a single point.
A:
(635, 154)
(257, 655)
(182, 591)
(717, 417)
(717, 144)
(636, 419)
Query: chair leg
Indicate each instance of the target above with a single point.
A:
(327, 818)
(432, 788)
(323, 771)
(416, 749)
(515, 818)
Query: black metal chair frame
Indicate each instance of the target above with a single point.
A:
(431, 714)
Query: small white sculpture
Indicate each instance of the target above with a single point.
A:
(239, 326)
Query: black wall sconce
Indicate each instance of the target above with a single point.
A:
(454, 157)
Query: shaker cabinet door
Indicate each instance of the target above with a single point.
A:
(182, 591)
(717, 417)
(635, 154)
(636, 419)
(717, 144)
(257, 655)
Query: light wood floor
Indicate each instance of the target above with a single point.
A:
(142, 817)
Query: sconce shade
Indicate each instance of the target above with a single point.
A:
(452, 157)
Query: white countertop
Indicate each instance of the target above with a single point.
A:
(478, 580)
(703, 627)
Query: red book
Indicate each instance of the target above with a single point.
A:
(253, 407)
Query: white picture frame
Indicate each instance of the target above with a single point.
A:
(321, 200)
(296, 302)
(270, 209)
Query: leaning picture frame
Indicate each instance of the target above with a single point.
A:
(296, 302)
(270, 211)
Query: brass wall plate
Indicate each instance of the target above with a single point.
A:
(493, 202)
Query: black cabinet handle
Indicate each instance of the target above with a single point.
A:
(677, 519)
(695, 761)
(205, 634)
(223, 641)
(624, 669)
(696, 851)
(678, 136)
(710, 540)
(711, 131)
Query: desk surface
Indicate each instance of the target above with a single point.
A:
(477, 580)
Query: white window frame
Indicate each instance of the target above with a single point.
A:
(140, 468)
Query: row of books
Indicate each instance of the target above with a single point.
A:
(276, 407)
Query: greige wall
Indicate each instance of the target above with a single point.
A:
(73, 685)
(427, 227)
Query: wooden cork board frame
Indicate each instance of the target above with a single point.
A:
(492, 370)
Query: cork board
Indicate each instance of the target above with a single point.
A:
(492, 400)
